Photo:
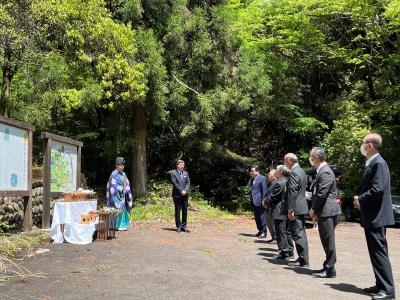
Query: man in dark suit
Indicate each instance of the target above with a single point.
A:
(375, 203)
(258, 185)
(326, 209)
(180, 187)
(295, 206)
(270, 221)
(274, 202)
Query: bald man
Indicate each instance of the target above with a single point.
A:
(375, 203)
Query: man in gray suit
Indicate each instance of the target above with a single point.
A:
(295, 206)
(326, 209)
(180, 187)
(375, 203)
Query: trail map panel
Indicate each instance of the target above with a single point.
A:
(14, 151)
(63, 167)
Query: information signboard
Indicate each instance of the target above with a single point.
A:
(16, 139)
(14, 154)
(63, 167)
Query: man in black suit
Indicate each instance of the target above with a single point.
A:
(326, 209)
(271, 179)
(274, 202)
(295, 206)
(258, 185)
(180, 187)
(375, 203)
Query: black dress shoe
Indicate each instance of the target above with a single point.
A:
(280, 256)
(178, 229)
(258, 234)
(383, 295)
(298, 263)
(371, 290)
(262, 235)
(184, 229)
(325, 274)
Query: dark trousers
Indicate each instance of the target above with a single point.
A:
(326, 229)
(298, 231)
(260, 215)
(379, 255)
(181, 204)
(283, 237)
(271, 224)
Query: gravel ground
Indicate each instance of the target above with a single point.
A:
(219, 260)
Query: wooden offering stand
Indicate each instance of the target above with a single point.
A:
(74, 197)
(106, 226)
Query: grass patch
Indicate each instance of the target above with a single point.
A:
(20, 244)
(242, 239)
(151, 212)
(207, 250)
(159, 206)
(221, 225)
(104, 267)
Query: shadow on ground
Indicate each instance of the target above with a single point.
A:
(168, 229)
(299, 270)
(265, 242)
(268, 249)
(345, 287)
(276, 261)
(247, 234)
(266, 254)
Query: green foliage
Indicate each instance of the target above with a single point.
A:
(150, 54)
(6, 226)
(159, 206)
(22, 243)
(342, 144)
(224, 84)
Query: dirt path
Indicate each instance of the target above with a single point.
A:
(215, 261)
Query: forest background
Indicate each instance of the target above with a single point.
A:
(222, 84)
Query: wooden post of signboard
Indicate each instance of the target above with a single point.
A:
(47, 193)
(26, 193)
(27, 223)
(46, 183)
(78, 167)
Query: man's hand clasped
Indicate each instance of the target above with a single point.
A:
(313, 216)
(356, 203)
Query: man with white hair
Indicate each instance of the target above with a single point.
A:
(296, 208)
(274, 201)
(374, 201)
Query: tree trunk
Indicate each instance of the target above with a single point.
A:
(7, 77)
(139, 133)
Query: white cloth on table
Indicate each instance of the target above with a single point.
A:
(68, 213)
